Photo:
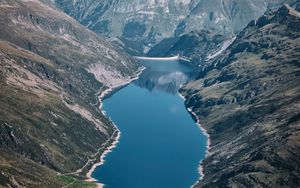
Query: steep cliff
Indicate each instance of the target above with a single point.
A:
(226, 17)
(198, 47)
(142, 24)
(248, 100)
(137, 23)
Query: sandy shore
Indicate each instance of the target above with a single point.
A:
(204, 131)
(116, 138)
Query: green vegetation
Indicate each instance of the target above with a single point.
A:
(73, 182)
(248, 101)
(50, 123)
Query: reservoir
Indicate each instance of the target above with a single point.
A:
(160, 144)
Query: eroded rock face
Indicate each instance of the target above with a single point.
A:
(198, 47)
(142, 24)
(137, 23)
(248, 100)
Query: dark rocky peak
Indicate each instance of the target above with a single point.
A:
(284, 15)
(263, 33)
(286, 10)
(289, 16)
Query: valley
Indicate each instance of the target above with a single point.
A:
(80, 77)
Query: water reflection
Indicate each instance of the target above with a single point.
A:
(160, 145)
(166, 76)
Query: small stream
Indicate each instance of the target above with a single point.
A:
(160, 145)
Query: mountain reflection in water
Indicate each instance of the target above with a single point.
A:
(165, 76)
(160, 144)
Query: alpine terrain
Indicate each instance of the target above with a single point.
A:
(248, 100)
(236, 66)
(141, 24)
(52, 71)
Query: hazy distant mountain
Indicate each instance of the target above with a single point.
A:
(229, 16)
(248, 100)
(196, 46)
(141, 24)
(201, 43)
(137, 22)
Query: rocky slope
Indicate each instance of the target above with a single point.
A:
(197, 46)
(142, 24)
(52, 70)
(136, 22)
(204, 42)
(248, 100)
(229, 16)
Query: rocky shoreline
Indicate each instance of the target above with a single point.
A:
(114, 140)
(248, 101)
(204, 131)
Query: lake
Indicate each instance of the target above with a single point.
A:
(160, 145)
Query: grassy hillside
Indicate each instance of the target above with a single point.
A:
(248, 100)
(52, 70)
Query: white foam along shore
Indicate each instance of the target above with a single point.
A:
(204, 131)
(115, 139)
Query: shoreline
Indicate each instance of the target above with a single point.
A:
(102, 159)
(204, 131)
(116, 138)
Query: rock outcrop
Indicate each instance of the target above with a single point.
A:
(248, 100)
(142, 24)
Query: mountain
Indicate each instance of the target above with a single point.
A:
(248, 100)
(203, 43)
(142, 24)
(137, 23)
(229, 16)
(52, 71)
(197, 46)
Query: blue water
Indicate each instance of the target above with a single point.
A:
(160, 144)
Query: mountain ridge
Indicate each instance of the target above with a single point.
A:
(247, 100)
(141, 25)
(52, 71)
